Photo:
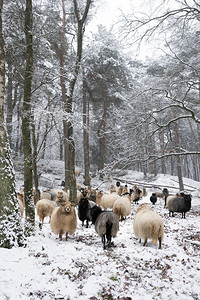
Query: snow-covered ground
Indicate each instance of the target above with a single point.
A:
(80, 269)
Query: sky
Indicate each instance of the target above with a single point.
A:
(108, 12)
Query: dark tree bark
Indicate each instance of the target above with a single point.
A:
(26, 126)
(11, 233)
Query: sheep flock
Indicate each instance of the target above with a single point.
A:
(113, 207)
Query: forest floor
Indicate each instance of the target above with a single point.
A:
(80, 269)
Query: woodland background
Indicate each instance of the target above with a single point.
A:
(87, 100)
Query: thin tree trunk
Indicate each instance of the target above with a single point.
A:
(102, 140)
(35, 172)
(26, 119)
(86, 133)
(179, 168)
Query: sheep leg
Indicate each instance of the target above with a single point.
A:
(60, 235)
(66, 236)
(145, 241)
(104, 242)
(159, 243)
(86, 223)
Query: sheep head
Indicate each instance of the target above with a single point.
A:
(66, 207)
(95, 212)
(83, 202)
(99, 194)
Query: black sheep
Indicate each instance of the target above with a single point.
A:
(84, 207)
(153, 198)
(106, 224)
(179, 204)
(166, 194)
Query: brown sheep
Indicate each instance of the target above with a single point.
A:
(112, 189)
(64, 220)
(44, 209)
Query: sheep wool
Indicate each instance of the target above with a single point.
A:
(106, 200)
(44, 209)
(106, 224)
(122, 207)
(148, 225)
(64, 220)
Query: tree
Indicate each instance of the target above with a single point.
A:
(107, 79)
(11, 233)
(80, 14)
(26, 123)
(178, 82)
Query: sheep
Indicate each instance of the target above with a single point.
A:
(92, 194)
(153, 198)
(179, 204)
(61, 197)
(122, 207)
(125, 190)
(106, 224)
(77, 172)
(148, 225)
(136, 195)
(20, 199)
(112, 189)
(44, 209)
(106, 200)
(84, 207)
(169, 197)
(52, 194)
(144, 192)
(120, 190)
(64, 220)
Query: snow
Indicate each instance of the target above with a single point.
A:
(80, 269)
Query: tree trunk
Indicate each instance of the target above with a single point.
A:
(86, 133)
(11, 233)
(35, 172)
(102, 140)
(26, 119)
(9, 98)
(179, 168)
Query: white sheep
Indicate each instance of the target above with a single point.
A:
(148, 225)
(44, 209)
(106, 200)
(64, 220)
(122, 207)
